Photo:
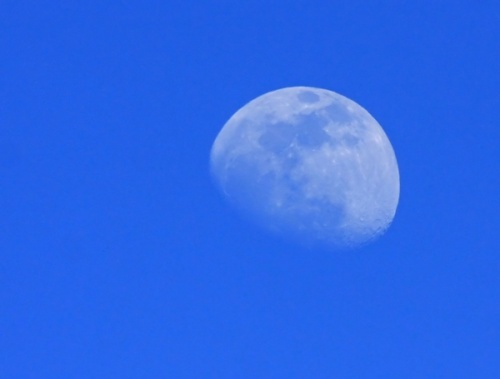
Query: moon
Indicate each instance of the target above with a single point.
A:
(310, 165)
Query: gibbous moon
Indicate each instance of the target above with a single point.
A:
(310, 165)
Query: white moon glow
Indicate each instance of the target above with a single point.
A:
(309, 164)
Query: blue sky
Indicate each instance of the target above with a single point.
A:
(119, 259)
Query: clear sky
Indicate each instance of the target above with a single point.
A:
(119, 258)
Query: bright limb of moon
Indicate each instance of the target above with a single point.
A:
(309, 164)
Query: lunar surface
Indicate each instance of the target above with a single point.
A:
(310, 165)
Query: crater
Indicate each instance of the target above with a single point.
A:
(338, 113)
(277, 137)
(308, 97)
(310, 131)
